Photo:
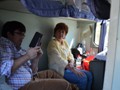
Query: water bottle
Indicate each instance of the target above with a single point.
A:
(78, 62)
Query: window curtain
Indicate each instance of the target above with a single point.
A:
(102, 36)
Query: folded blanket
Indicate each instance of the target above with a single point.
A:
(48, 80)
(48, 74)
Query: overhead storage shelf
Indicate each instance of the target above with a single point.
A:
(17, 6)
(78, 19)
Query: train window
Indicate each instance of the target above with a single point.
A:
(97, 33)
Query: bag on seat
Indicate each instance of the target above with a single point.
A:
(97, 67)
(100, 8)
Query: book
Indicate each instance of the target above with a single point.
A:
(36, 40)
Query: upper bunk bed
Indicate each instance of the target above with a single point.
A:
(87, 9)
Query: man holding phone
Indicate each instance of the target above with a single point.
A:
(17, 64)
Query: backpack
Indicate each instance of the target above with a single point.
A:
(100, 8)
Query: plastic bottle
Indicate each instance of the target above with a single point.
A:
(78, 62)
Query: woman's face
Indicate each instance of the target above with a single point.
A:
(60, 34)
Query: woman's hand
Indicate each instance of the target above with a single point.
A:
(74, 70)
(71, 62)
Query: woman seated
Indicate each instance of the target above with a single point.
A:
(61, 59)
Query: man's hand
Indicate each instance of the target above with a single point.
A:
(33, 52)
(35, 60)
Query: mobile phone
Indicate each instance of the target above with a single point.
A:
(36, 40)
